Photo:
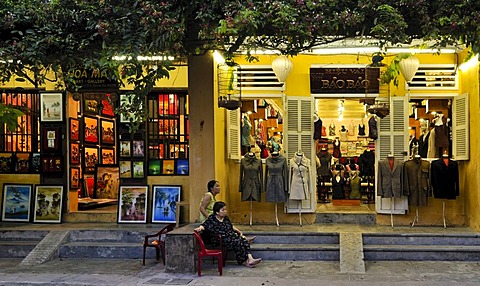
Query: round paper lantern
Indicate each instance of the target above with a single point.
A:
(282, 66)
(408, 67)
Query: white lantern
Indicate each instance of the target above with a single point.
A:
(408, 67)
(282, 66)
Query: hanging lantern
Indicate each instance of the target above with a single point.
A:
(408, 67)
(229, 91)
(282, 66)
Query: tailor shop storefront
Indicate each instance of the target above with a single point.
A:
(73, 167)
(346, 130)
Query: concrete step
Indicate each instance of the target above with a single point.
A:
(18, 244)
(351, 218)
(419, 247)
(293, 238)
(299, 252)
(109, 236)
(112, 250)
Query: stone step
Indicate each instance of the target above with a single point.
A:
(19, 235)
(293, 238)
(421, 252)
(300, 252)
(121, 250)
(16, 249)
(350, 218)
(109, 235)
(420, 239)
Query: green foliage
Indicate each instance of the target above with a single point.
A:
(9, 115)
(393, 70)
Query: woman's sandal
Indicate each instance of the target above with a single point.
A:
(251, 239)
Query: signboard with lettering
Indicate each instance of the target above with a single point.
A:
(344, 80)
(93, 79)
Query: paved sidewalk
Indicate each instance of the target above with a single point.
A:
(268, 273)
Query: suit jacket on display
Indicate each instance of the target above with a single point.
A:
(276, 183)
(390, 181)
(251, 178)
(417, 182)
(445, 183)
(299, 178)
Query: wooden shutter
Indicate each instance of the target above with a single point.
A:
(299, 136)
(233, 136)
(460, 128)
(393, 139)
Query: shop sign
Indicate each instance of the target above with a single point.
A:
(344, 80)
(93, 79)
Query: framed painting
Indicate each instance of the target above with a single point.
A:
(48, 203)
(90, 129)
(16, 202)
(36, 162)
(168, 167)
(182, 167)
(164, 203)
(51, 138)
(91, 159)
(74, 129)
(138, 169)
(74, 153)
(51, 109)
(125, 169)
(154, 167)
(74, 177)
(107, 108)
(138, 147)
(108, 156)
(107, 132)
(132, 205)
(125, 148)
(90, 106)
(52, 164)
(106, 182)
(22, 164)
(6, 162)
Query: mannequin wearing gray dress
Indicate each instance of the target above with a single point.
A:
(276, 183)
(251, 178)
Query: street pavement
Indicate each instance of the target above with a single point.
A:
(268, 273)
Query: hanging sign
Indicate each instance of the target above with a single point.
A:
(351, 80)
(93, 79)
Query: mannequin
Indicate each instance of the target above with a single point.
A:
(336, 148)
(323, 173)
(372, 127)
(361, 129)
(317, 134)
(246, 130)
(276, 182)
(441, 133)
(343, 134)
(423, 142)
(338, 183)
(299, 179)
(390, 177)
(355, 181)
(331, 129)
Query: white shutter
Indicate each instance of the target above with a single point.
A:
(393, 139)
(460, 128)
(299, 136)
(233, 136)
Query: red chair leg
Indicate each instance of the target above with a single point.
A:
(220, 264)
(199, 266)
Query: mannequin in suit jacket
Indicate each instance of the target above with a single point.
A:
(390, 178)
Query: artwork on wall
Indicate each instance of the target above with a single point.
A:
(52, 164)
(51, 138)
(164, 203)
(108, 156)
(74, 153)
(16, 202)
(91, 158)
(132, 206)
(106, 182)
(74, 177)
(168, 167)
(125, 169)
(154, 167)
(125, 150)
(74, 129)
(90, 129)
(22, 162)
(51, 107)
(107, 108)
(36, 162)
(6, 162)
(182, 167)
(107, 131)
(90, 106)
(138, 148)
(138, 169)
(48, 203)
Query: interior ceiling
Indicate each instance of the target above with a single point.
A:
(328, 108)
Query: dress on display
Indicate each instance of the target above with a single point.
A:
(325, 159)
(355, 187)
(336, 149)
(338, 182)
(331, 130)
(246, 129)
(366, 163)
(390, 178)
(317, 134)
(423, 144)
(361, 130)
(230, 238)
(251, 178)
(417, 181)
(372, 128)
(299, 177)
(445, 181)
(276, 183)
